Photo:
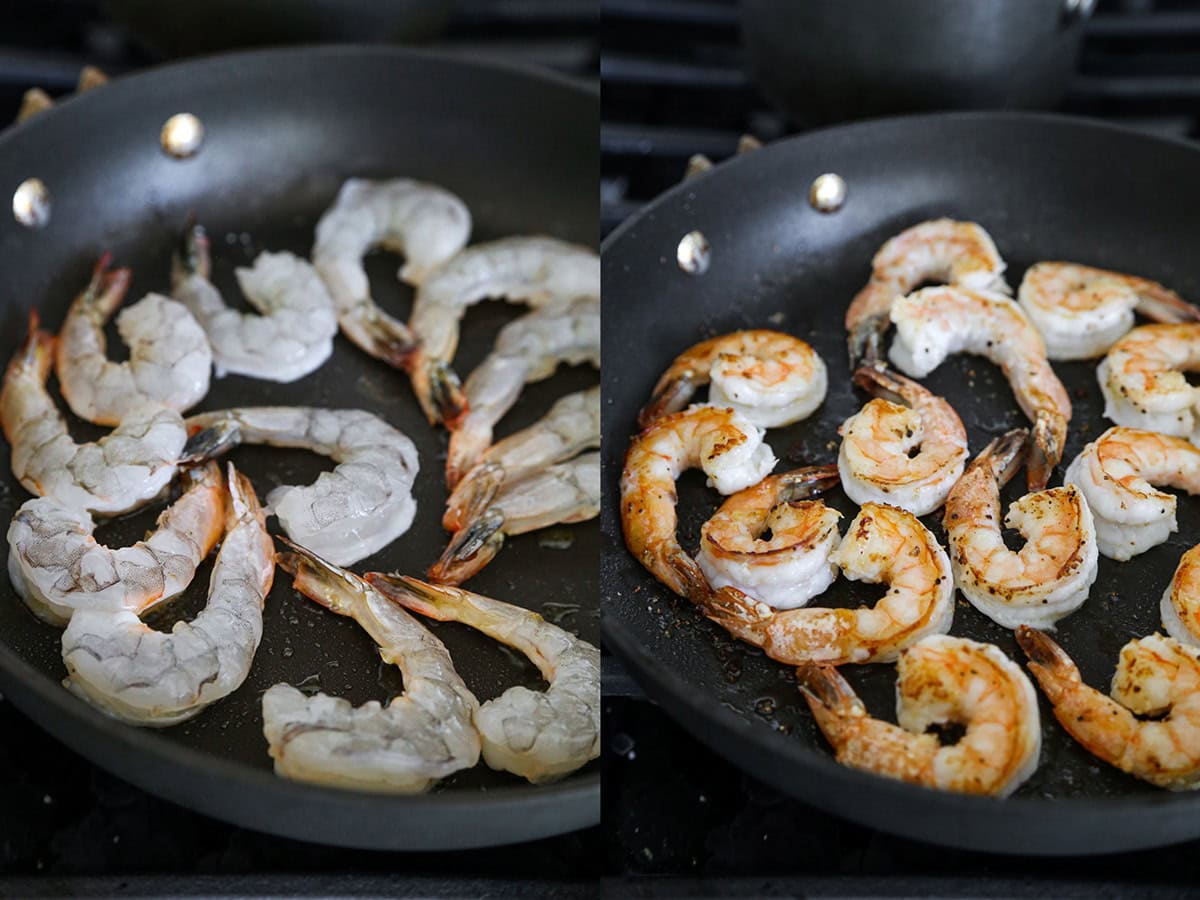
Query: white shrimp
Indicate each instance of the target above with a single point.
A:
(169, 358)
(1143, 383)
(361, 506)
(1180, 605)
(146, 677)
(57, 567)
(292, 334)
(1081, 311)
(539, 735)
(118, 473)
(421, 736)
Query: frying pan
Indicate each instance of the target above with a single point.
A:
(283, 129)
(1045, 187)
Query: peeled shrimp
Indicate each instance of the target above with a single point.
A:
(942, 680)
(361, 506)
(169, 357)
(147, 677)
(935, 322)
(1156, 676)
(1143, 383)
(292, 334)
(1081, 311)
(405, 747)
(116, 474)
(877, 461)
(539, 735)
(57, 567)
(1180, 605)
(1050, 576)
(1116, 473)
(771, 378)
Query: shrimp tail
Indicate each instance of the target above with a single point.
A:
(106, 290)
(447, 395)
(193, 256)
(473, 495)
(467, 445)
(211, 441)
(1005, 455)
(826, 691)
(1161, 304)
(470, 549)
(243, 501)
(865, 342)
(434, 601)
(320, 581)
(1055, 671)
(1045, 452)
(37, 350)
(669, 397)
(737, 613)
(880, 380)
(806, 482)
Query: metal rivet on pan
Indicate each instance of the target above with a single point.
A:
(828, 192)
(693, 253)
(182, 135)
(31, 203)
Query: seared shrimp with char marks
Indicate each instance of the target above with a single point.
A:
(1180, 604)
(1143, 383)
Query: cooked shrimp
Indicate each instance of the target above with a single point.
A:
(560, 494)
(935, 322)
(1116, 473)
(1143, 382)
(119, 472)
(942, 680)
(724, 444)
(771, 378)
(292, 334)
(527, 349)
(939, 250)
(1050, 576)
(907, 447)
(539, 735)
(405, 747)
(884, 544)
(147, 677)
(792, 565)
(1156, 676)
(169, 357)
(361, 506)
(426, 223)
(57, 566)
(531, 270)
(1081, 311)
(1180, 605)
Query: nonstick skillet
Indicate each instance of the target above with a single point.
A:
(1045, 187)
(283, 129)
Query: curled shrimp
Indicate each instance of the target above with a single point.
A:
(941, 680)
(1081, 311)
(1180, 604)
(418, 738)
(531, 270)
(1156, 676)
(771, 378)
(169, 358)
(1050, 576)
(124, 469)
(884, 544)
(1143, 383)
(144, 676)
(907, 447)
(292, 332)
(57, 566)
(934, 322)
(1116, 473)
(539, 735)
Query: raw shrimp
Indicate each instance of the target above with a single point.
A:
(405, 747)
(116, 474)
(1156, 676)
(539, 735)
(147, 677)
(292, 334)
(559, 494)
(942, 680)
(1143, 382)
(792, 565)
(907, 447)
(361, 506)
(527, 349)
(939, 250)
(1081, 311)
(169, 357)
(531, 270)
(884, 544)
(724, 444)
(57, 566)
(426, 223)
(1116, 473)
(1050, 576)
(771, 378)
(935, 322)
(1180, 606)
